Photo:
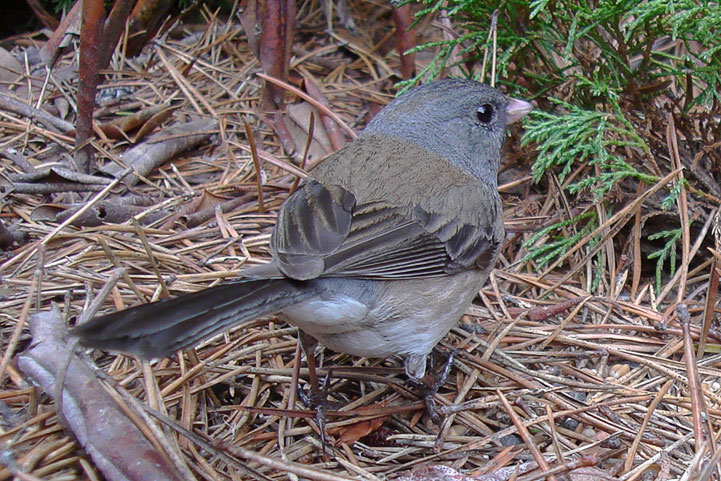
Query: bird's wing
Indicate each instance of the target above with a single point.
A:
(323, 232)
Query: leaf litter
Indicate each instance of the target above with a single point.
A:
(551, 379)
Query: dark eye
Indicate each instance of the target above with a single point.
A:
(484, 113)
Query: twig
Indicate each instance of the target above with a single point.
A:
(682, 201)
(708, 309)
(256, 163)
(526, 436)
(619, 219)
(52, 123)
(311, 101)
(218, 447)
(698, 409)
(23, 318)
(631, 456)
(311, 126)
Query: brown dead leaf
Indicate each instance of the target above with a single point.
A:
(298, 124)
(99, 425)
(207, 205)
(353, 432)
(161, 147)
(10, 68)
(333, 130)
(114, 210)
(46, 212)
(145, 121)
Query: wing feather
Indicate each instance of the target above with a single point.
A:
(322, 232)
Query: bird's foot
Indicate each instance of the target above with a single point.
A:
(432, 382)
(317, 400)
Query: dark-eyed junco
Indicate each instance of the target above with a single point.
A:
(380, 250)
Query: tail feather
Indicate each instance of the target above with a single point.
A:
(160, 328)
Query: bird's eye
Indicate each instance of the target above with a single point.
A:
(484, 113)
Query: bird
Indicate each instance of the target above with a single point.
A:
(379, 251)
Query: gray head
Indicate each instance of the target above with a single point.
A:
(461, 120)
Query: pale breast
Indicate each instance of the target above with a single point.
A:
(386, 318)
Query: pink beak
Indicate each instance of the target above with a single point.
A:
(516, 109)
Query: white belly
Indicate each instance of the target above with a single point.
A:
(382, 319)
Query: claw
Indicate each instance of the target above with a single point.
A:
(431, 387)
(320, 401)
(318, 398)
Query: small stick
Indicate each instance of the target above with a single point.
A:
(694, 387)
(311, 127)
(256, 163)
(708, 310)
(311, 101)
(526, 436)
(15, 337)
(154, 264)
(682, 201)
(649, 412)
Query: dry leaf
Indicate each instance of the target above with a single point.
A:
(161, 147)
(145, 120)
(353, 432)
(10, 68)
(95, 419)
(298, 121)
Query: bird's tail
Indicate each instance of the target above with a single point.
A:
(160, 328)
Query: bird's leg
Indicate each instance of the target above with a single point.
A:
(438, 379)
(308, 343)
(318, 399)
(431, 381)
